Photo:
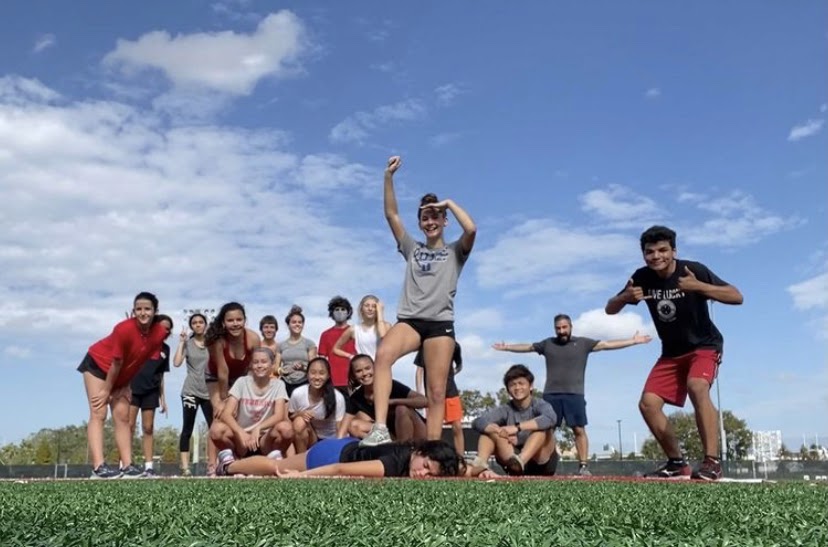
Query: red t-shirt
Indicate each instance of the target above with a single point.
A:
(128, 343)
(339, 365)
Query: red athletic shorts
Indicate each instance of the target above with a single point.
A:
(669, 376)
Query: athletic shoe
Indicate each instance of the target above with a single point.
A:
(514, 465)
(709, 470)
(211, 470)
(150, 474)
(379, 435)
(131, 472)
(185, 472)
(225, 458)
(670, 470)
(584, 471)
(103, 471)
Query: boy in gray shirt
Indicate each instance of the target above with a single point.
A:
(519, 433)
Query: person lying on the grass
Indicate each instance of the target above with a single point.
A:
(255, 417)
(344, 457)
(519, 433)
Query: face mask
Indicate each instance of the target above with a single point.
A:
(340, 316)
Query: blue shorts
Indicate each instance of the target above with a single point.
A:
(326, 452)
(570, 408)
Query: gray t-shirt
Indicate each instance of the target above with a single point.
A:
(509, 414)
(430, 280)
(565, 363)
(196, 358)
(295, 353)
(254, 408)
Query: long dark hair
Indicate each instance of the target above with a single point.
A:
(353, 383)
(328, 390)
(216, 329)
(190, 321)
(451, 464)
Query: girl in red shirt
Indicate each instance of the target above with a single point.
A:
(108, 368)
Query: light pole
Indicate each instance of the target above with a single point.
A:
(722, 434)
(620, 446)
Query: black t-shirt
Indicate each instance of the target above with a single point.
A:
(358, 403)
(681, 319)
(152, 372)
(451, 386)
(395, 458)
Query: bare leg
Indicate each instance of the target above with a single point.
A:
(581, 443)
(360, 428)
(400, 340)
(706, 415)
(148, 427)
(97, 417)
(533, 445)
(222, 436)
(261, 466)
(120, 422)
(459, 439)
(280, 436)
(652, 409)
(437, 355)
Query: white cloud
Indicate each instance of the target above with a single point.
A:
(44, 41)
(653, 93)
(226, 61)
(811, 293)
(17, 352)
(540, 256)
(737, 220)
(618, 203)
(804, 130)
(200, 215)
(823, 107)
(600, 326)
(447, 93)
(484, 319)
(358, 126)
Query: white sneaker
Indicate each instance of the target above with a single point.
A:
(275, 455)
(379, 435)
(225, 458)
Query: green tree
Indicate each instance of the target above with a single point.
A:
(472, 402)
(651, 450)
(43, 453)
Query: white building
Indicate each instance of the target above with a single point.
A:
(765, 446)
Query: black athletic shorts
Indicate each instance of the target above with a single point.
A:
(147, 401)
(89, 365)
(430, 329)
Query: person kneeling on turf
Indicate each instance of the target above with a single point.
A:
(520, 432)
(254, 420)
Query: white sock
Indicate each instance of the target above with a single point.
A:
(381, 425)
(147, 465)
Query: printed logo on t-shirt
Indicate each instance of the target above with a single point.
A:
(425, 257)
(665, 307)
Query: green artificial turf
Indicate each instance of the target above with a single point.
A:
(406, 512)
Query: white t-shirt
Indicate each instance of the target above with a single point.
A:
(366, 340)
(255, 407)
(325, 427)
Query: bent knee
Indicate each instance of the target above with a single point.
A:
(650, 402)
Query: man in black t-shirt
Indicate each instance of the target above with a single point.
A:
(676, 293)
(148, 394)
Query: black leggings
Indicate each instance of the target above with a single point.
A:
(190, 406)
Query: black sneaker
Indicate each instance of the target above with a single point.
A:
(671, 470)
(131, 472)
(709, 470)
(103, 471)
(150, 474)
(514, 465)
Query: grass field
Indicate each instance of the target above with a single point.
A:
(404, 512)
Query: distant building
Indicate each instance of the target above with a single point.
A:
(765, 446)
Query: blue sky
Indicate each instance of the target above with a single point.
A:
(233, 150)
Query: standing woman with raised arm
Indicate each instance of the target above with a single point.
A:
(367, 335)
(194, 394)
(425, 315)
